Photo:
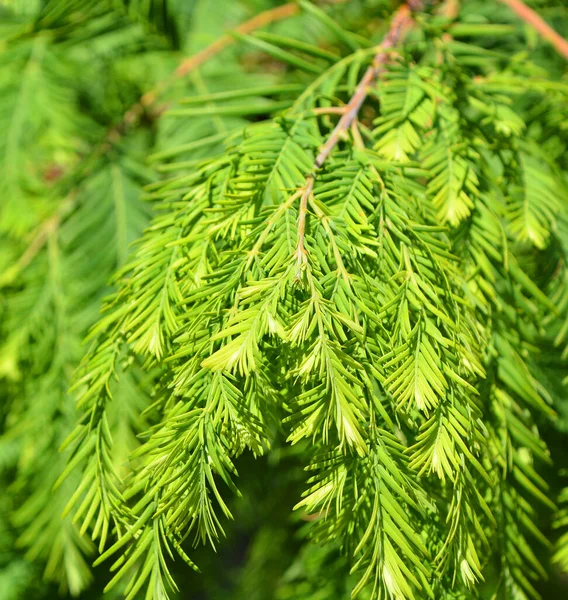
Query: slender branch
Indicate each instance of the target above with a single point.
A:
(449, 9)
(146, 102)
(150, 98)
(48, 227)
(400, 25)
(261, 20)
(529, 16)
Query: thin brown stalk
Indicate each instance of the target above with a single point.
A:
(261, 20)
(449, 9)
(399, 28)
(529, 16)
(148, 102)
(49, 226)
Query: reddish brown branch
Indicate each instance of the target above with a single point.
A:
(449, 9)
(48, 227)
(399, 28)
(261, 20)
(529, 16)
(148, 102)
(400, 25)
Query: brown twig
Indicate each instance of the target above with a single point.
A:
(150, 98)
(147, 102)
(400, 25)
(449, 9)
(47, 228)
(261, 20)
(529, 16)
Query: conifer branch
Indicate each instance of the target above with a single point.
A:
(399, 27)
(145, 104)
(261, 20)
(190, 64)
(431, 241)
(529, 16)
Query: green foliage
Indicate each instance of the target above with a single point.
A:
(384, 330)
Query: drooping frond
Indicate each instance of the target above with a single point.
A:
(356, 266)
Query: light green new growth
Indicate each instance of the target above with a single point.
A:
(367, 259)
